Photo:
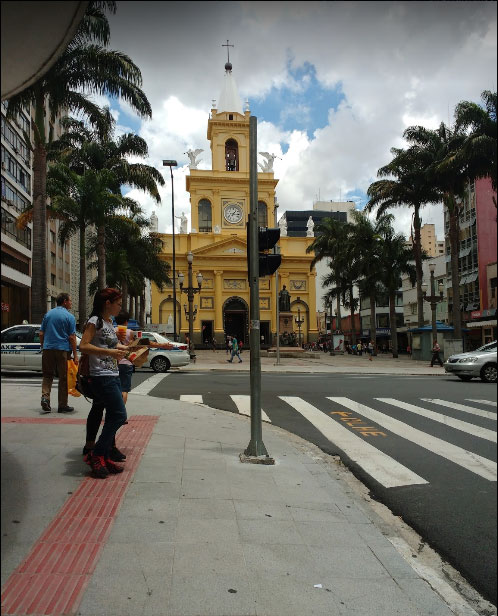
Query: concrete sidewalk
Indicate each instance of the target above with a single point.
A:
(188, 529)
(318, 362)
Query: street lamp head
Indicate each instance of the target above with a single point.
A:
(180, 279)
(170, 163)
(425, 286)
(199, 279)
(190, 257)
(432, 268)
(440, 286)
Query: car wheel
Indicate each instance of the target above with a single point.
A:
(488, 373)
(464, 377)
(160, 364)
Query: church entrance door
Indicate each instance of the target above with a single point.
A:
(235, 319)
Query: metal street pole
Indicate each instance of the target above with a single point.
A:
(256, 450)
(190, 303)
(171, 164)
(433, 306)
(277, 309)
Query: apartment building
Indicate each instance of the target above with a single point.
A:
(429, 242)
(17, 195)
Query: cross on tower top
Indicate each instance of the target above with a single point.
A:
(227, 45)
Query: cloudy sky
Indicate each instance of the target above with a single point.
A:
(333, 84)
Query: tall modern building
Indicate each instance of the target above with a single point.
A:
(17, 195)
(430, 244)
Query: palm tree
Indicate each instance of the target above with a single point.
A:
(448, 172)
(480, 144)
(85, 66)
(334, 241)
(409, 188)
(81, 200)
(97, 150)
(367, 237)
(396, 261)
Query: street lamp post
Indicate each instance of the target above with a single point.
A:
(299, 322)
(433, 299)
(171, 164)
(331, 334)
(190, 291)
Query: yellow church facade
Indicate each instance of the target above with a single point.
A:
(219, 200)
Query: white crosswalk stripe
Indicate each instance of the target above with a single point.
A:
(464, 426)
(144, 388)
(379, 465)
(476, 464)
(486, 402)
(243, 404)
(461, 407)
(195, 398)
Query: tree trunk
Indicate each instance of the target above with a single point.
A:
(124, 291)
(392, 323)
(417, 252)
(135, 311)
(101, 273)
(82, 310)
(130, 306)
(353, 329)
(39, 238)
(338, 317)
(373, 325)
(455, 278)
(142, 309)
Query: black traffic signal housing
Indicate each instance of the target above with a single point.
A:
(268, 262)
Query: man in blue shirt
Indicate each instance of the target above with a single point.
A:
(58, 340)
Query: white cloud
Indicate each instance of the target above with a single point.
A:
(398, 64)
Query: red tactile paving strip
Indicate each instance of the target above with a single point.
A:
(53, 577)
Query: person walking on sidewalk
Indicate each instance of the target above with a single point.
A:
(436, 349)
(370, 350)
(235, 351)
(57, 340)
(229, 344)
(101, 344)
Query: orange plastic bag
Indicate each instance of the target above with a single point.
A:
(72, 371)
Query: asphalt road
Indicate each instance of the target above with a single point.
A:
(454, 511)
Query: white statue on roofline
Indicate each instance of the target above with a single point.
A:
(192, 155)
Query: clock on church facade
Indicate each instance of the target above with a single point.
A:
(219, 199)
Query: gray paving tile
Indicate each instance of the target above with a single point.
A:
(152, 491)
(212, 595)
(205, 489)
(140, 529)
(253, 510)
(162, 508)
(206, 531)
(366, 596)
(319, 514)
(347, 562)
(114, 593)
(208, 558)
(393, 562)
(206, 508)
(333, 534)
(423, 597)
(267, 531)
(280, 559)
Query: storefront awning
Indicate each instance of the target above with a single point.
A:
(491, 323)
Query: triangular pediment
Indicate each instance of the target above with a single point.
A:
(230, 246)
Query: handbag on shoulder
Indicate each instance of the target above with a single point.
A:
(83, 378)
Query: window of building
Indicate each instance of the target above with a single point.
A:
(17, 264)
(9, 227)
(52, 237)
(52, 279)
(493, 287)
(232, 155)
(262, 214)
(205, 216)
(382, 320)
(52, 258)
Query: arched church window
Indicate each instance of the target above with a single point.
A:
(262, 214)
(205, 218)
(232, 155)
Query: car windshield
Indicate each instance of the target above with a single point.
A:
(487, 348)
(156, 337)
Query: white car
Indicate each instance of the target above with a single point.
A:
(480, 363)
(21, 349)
(161, 360)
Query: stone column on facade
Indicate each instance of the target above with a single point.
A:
(312, 325)
(218, 301)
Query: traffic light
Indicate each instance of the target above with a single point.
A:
(268, 262)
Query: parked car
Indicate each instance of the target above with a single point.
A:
(21, 349)
(161, 360)
(479, 363)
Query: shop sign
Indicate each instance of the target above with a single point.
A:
(5, 307)
(383, 331)
(476, 314)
